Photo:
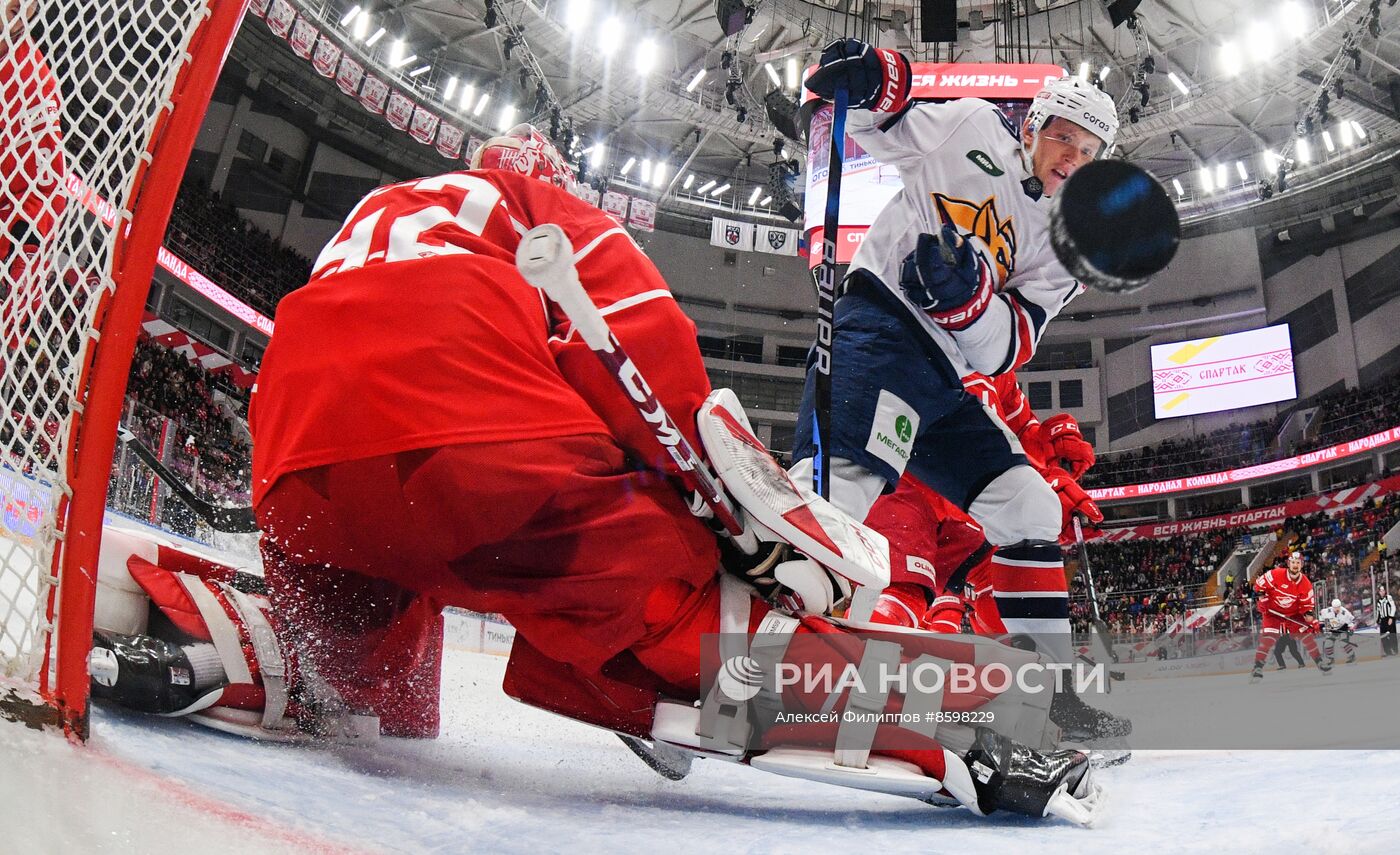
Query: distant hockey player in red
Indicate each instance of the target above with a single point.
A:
(1286, 605)
(429, 430)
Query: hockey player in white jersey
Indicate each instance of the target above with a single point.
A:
(956, 275)
(1338, 623)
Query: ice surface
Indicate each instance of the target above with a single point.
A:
(508, 778)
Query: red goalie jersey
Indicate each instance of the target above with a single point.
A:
(437, 257)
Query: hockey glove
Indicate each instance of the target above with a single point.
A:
(1066, 446)
(874, 78)
(1073, 500)
(946, 278)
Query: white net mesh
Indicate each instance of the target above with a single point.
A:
(82, 86)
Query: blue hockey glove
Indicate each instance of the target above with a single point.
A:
(874, 78)
(946, 279)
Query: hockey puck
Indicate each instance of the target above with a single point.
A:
(1113, 226)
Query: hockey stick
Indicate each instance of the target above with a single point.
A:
(233, 520)
(545, 259)
(826, 301)
(1098, 630)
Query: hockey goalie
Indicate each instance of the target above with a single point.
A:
(429, 430)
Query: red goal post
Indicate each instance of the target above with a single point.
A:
(132, 80)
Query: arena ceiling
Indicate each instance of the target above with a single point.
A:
(1219, 122)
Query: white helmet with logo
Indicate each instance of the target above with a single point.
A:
(1078, 101)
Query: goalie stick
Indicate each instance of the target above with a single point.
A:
(234, 520)
(545, 260)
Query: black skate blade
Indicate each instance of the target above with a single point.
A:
(671, 764)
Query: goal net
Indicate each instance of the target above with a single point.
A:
(99, 104)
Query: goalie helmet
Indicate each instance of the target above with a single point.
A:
(525, 150)
(1078, 101)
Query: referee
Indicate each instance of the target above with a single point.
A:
(1385, 618)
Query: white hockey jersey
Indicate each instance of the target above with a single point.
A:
(1336, 619)
(965, 157)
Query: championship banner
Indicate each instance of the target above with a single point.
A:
(373, 94)
(449, 140)
(259, 7)
(590, 195)
(1337, 500)
(1235, 476)
(473, 143)
(615, 206)
(326, 57)
(643, 215)
(280, 17)
(303, 38)
(423, 126)
(399, 112)
(349, 77)
(731, 234)
(775, 240)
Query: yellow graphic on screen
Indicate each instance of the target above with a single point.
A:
(1177, 401)
(1188, 352)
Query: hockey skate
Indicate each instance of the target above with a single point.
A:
(1256, 675)
(1103, 734)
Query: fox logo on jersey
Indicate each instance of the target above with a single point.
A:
(982, 222)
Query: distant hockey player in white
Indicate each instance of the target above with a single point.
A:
(1338, 622)
(955, 276)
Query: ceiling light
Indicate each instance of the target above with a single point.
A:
(361, 27)
(1103, 73)
(610, 35)
(646, 56)
(720, 190)
(451, 88)
(1176, 185)
(1360, 131)
(1304, 151)
(1222, 179)
(507, 119)
(1239, 167)
(703, 187)
(420, 71)
(791, 72)
(350, 16)
(772, 74)
(646, 172)
(468, 96)
(378, 34)
(1207, 183)
(576, 18)
(595, 157)
(1271, 161)
(1345, 129)
(753, 197)
(689, 180)
(695, 81)
(1231, 63)
(1176, 81)
(1327, 141)
(627, 167)
(1260, 41)
(658, 173)
(1084, 70)
(765, 200)
(481, 105)
(396, 51)
(1295, 19)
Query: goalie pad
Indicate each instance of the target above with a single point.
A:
(777, 506)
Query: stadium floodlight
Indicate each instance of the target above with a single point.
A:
(576, 16)
(753, 197)
(695, 81)
(1207, 183)
(703, 187)
(610, 35)
(1222, 178)
(658, 173)
(468, 98)
(1176, 185)
(645, 59)
(689, 180)
(1103, 72)
(1360, 131)
(507, 118)
(1260, 41)
(1176, 81)
(791, 72)
(645, 172)
(420, 71)
(1304, 151)
(773, 74)
(350, 16)
(1231, 63)
(451, 88)
(1239, 167)
(1344, 130)
(1295, 19)
(481, 105)
(596, 154)
(720, 190)
(374, 39)
(627, 167)
(765, 200)
(1327, 141)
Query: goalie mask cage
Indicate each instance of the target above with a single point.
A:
(82, 221)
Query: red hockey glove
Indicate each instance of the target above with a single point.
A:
(1073, 500)
(1066, 445)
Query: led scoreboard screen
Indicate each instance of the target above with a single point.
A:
(1223, 372)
